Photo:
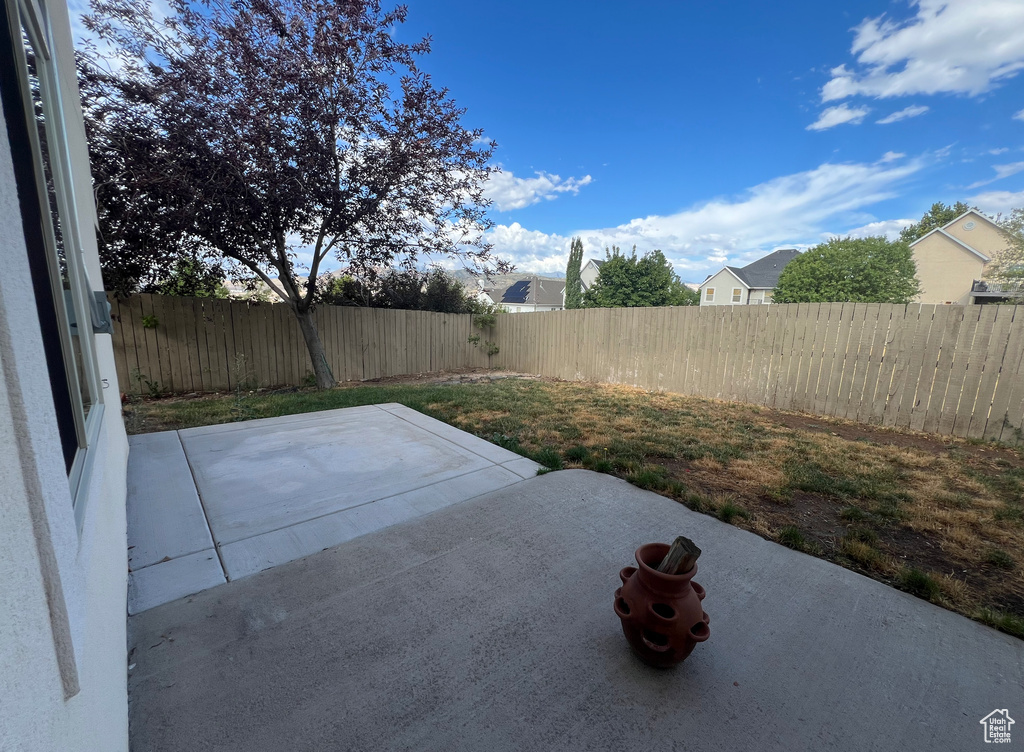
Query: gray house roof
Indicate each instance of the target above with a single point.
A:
(764, 273)
(533, 291)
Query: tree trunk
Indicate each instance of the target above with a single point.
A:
(322, 371)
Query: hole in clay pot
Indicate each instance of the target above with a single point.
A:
(622, 606)
(663, 610)
(655, 638)
(700, 629)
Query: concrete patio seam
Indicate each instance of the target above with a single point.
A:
(217, 544)
(202, 504)
(449, 441)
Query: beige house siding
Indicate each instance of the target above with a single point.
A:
(723, 284)
(945, 270)
(984, 237)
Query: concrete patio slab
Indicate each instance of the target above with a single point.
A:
(489, 625)
(286, 544)
(222, 502)
(171, 523)
(172, 579)
(468, 441)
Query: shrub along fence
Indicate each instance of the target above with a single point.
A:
(165, 344)
(945, 369)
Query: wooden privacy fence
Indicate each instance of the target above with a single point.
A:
(945, 369)
(165, 344)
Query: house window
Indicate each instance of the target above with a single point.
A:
(33, 113)
(709, 294)
(737, 294)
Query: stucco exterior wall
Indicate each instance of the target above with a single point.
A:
(945, 270)
(723, 283)
(62, 588)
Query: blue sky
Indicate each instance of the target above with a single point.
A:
(698, 128)
(719, 131)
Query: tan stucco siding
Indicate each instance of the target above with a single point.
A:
(723, 284)
(946, 270)
(984, 237)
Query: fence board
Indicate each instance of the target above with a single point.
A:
(948, 369)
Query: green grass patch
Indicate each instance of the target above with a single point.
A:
(997, 557)
(730, 510)
(577, 454)
(791, 537)
(1004, 622)
(853, 514)
(919, 583)
(547, 457)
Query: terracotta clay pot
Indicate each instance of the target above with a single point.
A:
(661, 614)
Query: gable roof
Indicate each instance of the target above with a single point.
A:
(732, 270)
(962, 244)
(977, 214)
(764, 273)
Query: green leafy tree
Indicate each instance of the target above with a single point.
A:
(1008, 265)
(938, 216)
(407, 290)
(191, 278)
(258, 133)
(631, 282)
(859, 270)
(573, 282)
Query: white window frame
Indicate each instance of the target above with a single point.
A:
(34, 21)
(737, 295)
(709, 295)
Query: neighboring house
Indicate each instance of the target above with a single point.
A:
(752, 284)
(588, 276)
(952, 260)
(589, 273)
(531, 295)
(63, 449)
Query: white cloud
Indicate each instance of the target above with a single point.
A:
(1019, 115)
(1002, 171)
(997, 152)
(888, 227)
(833, 116)
(907, 112)
(948, 46)
(998, 202)
(891, 156)
(509, 192)
(789, 211)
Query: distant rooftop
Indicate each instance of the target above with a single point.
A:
(533, 291)
(764, 273)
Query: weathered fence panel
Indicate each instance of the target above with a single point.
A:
(177, 345)
(947, 369)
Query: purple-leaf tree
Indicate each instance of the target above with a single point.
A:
(276, 134)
